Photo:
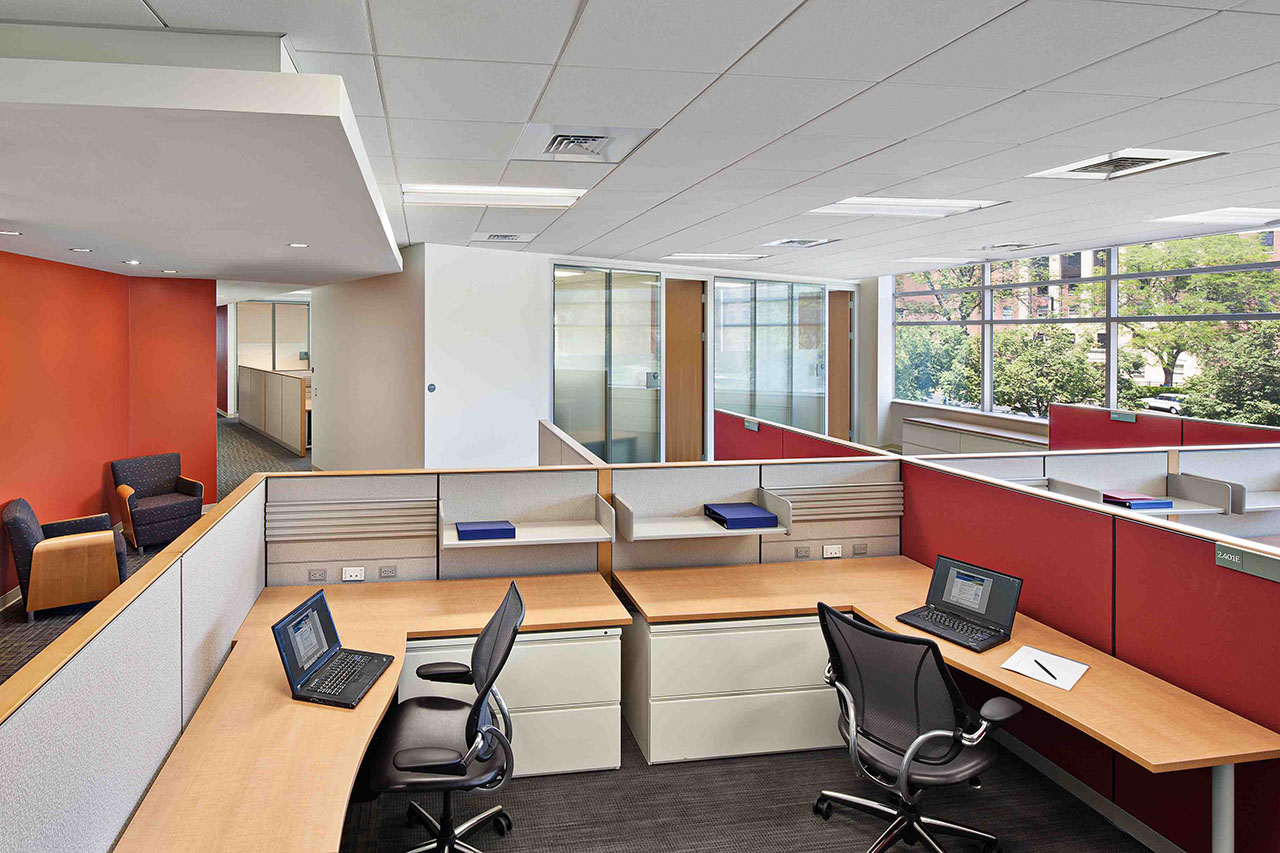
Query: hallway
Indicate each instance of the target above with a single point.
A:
(242, 452)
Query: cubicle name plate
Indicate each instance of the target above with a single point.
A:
(1249, 562)
(753, 426)
(1125, 417)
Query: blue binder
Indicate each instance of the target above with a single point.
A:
(472, 530)
(740, 516)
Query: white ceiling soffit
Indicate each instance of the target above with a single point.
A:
(209, 172)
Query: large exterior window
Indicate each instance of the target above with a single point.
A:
(1195, 318)
(770, 351)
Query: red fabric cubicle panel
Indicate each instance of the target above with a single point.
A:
(1089, 428)
(1062, 553)
(735, 441)
(797, 445)
(1181, 617)
(1196, 432)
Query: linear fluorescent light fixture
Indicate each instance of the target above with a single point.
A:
(942, 262)
(1226, 216)
(1123, 163)
(711, 256)
(926, 208)
(466, 196)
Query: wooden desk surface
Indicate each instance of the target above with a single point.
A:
(1150, 721)
(256, 770)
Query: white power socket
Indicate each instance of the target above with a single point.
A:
(827, 551)
(352, 573)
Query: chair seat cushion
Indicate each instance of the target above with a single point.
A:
(165, 507)
(971, 761)
(435, 722)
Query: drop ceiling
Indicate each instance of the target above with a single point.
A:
(768, 109)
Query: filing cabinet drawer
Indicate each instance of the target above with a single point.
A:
(728, 657)
(567, 740)
(718, 726)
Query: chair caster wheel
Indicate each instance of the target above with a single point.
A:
(822, 808)
(502, 824)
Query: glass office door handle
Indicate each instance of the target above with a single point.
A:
(652, 381)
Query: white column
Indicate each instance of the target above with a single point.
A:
(1223, 809)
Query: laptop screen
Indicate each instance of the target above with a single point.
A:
(305, 637)
(978, 593)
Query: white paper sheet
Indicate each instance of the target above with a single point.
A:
(1042, 666)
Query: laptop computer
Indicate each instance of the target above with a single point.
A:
(319, 669)
(968, 605)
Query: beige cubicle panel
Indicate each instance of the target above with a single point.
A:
(275, 404)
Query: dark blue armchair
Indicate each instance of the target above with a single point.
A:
(156, 501)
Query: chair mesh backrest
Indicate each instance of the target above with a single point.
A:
(490, 653)
(148, 475)
(900, 686)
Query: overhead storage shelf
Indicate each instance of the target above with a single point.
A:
(567, 532)
(632, 529)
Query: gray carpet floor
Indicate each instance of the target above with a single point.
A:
(739, 804)
(242, 452)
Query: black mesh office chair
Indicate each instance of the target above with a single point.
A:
(436, 743)
(907, 726)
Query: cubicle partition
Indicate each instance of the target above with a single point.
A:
(1075, 427)
(557, 447)
(276, 404)
(740, 437)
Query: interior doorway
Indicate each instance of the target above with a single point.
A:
(686, 370)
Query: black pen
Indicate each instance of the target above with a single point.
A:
(1046, 670)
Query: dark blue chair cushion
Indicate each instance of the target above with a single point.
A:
(148, 475)
(156, 508)
(24, 535)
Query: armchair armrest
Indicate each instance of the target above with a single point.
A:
(188, 486)
(83, 524)
(125, 494)
(73, 569)
(430, 759)
(448, 672)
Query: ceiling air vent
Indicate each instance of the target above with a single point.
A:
(1012, 247)
(1125, 162)
(578, 143)
(1118, 164)
(494, 237)
(574, 143)
(798, 243)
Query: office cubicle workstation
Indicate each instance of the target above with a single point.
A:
(702, 642)
(276, 403)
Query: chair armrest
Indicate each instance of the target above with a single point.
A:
(83, 524)
(188, 486)
(72, 569)
(127, 502)
(430, 759)
(999, 709)
(448, 672)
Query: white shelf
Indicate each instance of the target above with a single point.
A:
(1261, 501)
(1182, 506)
(688, 527)
(534, 533)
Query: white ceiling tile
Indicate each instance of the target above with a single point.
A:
(424, 170)
(384, 169)
(936, 186)
(336, 25)
(849, 181)
(1020, 161)
(813, 153)
(739, 176)
(1260, 86)
(671, 35)
(394, 203)
(510, 220)
(901, 110)
(1043, 39)
(357, 73)
(597, 213)
(617, 97)
(543, 173)
(1032, 115)
(1258, 130)
(454, 140)
(124, 13)
(1270, 7)
(501, 30)
(1190, 4)
(764, 105)
(373, 133)
(1157, 120)
(456, 90)
(921, 156)
(867, 40)
(1232, 170)
(434, 224)
(643, 177)
(1209, 50)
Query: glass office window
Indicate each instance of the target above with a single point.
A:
(939, 364)
(635, 392)
(1050, 301)
(253, 335)
(1034, 365)
(292, 336)
(580, 368)
(770, 351)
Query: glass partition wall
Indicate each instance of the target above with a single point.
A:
(273, 335)
(607, 371)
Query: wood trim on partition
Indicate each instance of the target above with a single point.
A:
(126, 517)
(839, 358)
(604, 550)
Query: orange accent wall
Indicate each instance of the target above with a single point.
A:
(96, 366)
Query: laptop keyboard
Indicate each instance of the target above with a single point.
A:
(340, 672)
(958, 626)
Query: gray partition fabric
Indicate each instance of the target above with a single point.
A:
(77, 757)
(517, 560)
(1000, 467)
(865, 537)
(661, 492)
(829, 473)
(222, 575)
(1256, 468)
(352, 488)
(1134, 472)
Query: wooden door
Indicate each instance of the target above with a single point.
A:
(839, 364)
(685, 370)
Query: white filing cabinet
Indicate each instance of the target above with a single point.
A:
(696, 690)
(563, 689)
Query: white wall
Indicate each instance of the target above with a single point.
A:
(367, 389)
(875, 359)
(488, 351)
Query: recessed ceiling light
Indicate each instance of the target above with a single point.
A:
(468, 196)
(10, 233)
(939, 261)
(298, 293)
(299, 245)
(929, 208)
(132, 263)
(1227, 216)
(1122, 163)
(82, 250)
(170, 272)
(796, 243)
(711, 256)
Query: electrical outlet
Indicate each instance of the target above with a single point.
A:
(827, 551)
(352, 573)
(390, 571)
(802, 552)
(859, 549)
(317, 575)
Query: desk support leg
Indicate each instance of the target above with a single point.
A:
(1223, 808)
